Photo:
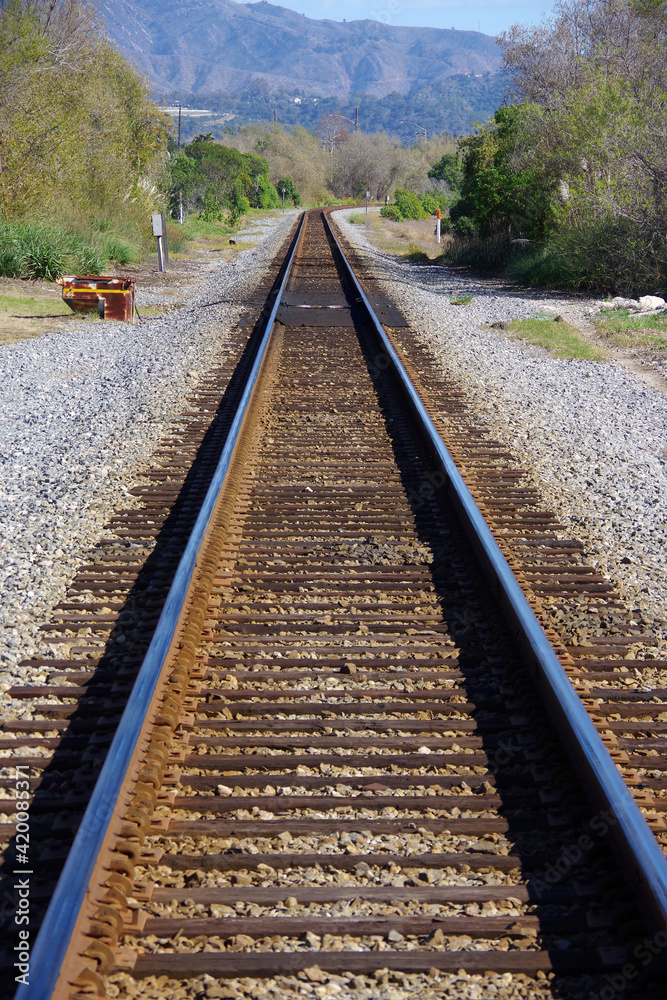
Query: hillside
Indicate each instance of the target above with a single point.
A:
(222, 47)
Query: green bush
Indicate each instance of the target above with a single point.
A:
(118, 249)
(409, 205)
(434, 200)
(267, 196)
(42, 250)
(211, 209)
(287, 185)
(607, 255)
(392, 212)
(465, 228)
(209, 178)
(450, 170)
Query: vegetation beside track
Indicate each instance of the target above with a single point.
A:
(556, 336)
(575, 168)
(82, 146)
(622, 328)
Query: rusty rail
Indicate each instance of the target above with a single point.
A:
(631, 833)
(65, 908)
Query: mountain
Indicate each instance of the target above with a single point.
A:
(222, 47)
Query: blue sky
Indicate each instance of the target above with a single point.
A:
(471, 15)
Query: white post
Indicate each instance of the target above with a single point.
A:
(368, 194)
(159, 231)
(437, 227)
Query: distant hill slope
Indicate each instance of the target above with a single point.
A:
(218, 46)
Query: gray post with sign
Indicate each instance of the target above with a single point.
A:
(159, 225)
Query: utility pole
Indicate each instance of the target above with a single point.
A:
(179, 125)
(356, 119)
(275, 116)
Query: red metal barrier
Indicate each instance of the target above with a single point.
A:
(111, 297)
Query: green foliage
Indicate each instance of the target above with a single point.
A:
(498, 197)
(287, 185)
(601, 256)
(392, 212)
(464, 227)
(594, 82)
(80, 140)
(450, 170)
(409, 205)
(432, 201)
(29, 250)
(213, 179)
(119, 250)
(265, 193)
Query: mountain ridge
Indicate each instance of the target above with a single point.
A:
(220, 46)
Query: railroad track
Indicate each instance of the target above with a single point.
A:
(349, 751)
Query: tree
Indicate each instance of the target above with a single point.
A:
(333, 130)
(211, 178)
(499, 194)
(450, 170)
(594, 85)
(78, 132)
(296, 153)
(287, 188)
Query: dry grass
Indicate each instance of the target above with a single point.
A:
(406, 237)
(621, 328)
(29, 309)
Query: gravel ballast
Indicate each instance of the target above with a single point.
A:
(593, 433)
(81, 411)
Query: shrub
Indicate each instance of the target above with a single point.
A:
(434, 200)
(119, 250)
(211, 210)
(287, 185)
(490, 254)
(392, 212)
(465, 228)
(410, 205)
(603, 255)
(42, 250)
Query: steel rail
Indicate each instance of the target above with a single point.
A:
(620, 814)
(53, 941)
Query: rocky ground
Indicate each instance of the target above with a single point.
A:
(594, 434)
(82, 408)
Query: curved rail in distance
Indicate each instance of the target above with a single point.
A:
(630, 831)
